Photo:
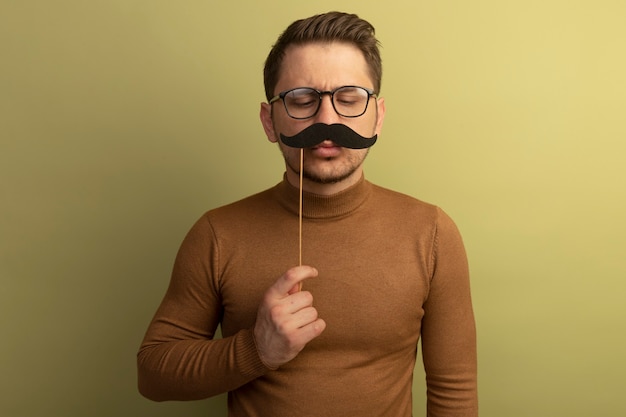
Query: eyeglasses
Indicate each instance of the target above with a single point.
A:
(304, 102)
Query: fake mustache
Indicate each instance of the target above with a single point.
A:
(340, 135)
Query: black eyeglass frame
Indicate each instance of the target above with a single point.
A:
(331, 93)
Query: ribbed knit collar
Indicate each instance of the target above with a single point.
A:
(315, 206)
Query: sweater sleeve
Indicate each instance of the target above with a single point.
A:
(448, 329)
(179, 358)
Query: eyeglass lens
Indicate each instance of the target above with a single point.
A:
(302, 103)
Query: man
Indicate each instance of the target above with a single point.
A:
(381, 269)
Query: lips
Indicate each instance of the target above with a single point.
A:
(326, 149)
(327, 143)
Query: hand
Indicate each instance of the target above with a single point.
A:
(286, 319)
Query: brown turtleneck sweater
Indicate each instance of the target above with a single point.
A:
(391, 269)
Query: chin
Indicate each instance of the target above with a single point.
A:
(328, 177)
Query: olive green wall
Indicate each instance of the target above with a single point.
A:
(121, 121)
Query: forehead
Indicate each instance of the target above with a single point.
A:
(324, 66)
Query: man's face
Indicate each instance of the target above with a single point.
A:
(323, 66)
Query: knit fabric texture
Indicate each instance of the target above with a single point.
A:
(391, 268)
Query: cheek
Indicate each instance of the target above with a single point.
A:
(289, 152)
(364, 126)
(288, 126)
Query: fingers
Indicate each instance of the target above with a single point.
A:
(289, 317)
(313, 329)
(286, 319)
(291, 281)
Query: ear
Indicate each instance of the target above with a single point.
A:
(267, 122)
(380, 114)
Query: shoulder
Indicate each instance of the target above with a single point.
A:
(396, 200)
(246, 206)
(404, 206)
(241, 216)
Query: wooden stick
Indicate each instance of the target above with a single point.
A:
(300, 214)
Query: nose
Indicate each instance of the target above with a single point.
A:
(326, 113)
